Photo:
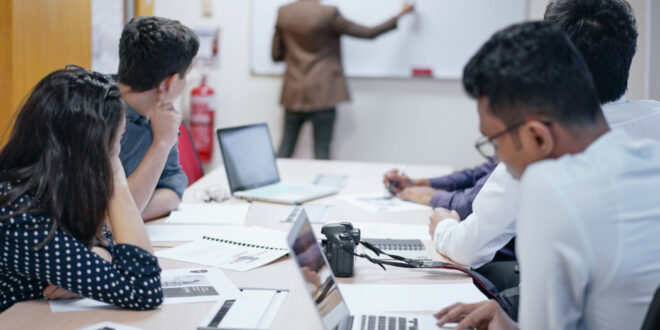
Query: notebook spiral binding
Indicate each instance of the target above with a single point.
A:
(220, 240)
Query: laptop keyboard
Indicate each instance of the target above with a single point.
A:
(374, 322)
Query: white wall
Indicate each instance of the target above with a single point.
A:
(394, 120)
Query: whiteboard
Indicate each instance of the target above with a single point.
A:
(440, 35)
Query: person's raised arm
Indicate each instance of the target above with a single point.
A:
(277, 50)
(341, 25)
(165, 121)
(123, 214)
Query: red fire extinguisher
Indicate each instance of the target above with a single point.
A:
(202, 101)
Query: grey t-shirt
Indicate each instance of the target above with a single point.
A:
(135, 144)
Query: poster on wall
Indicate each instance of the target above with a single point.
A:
(107, 24)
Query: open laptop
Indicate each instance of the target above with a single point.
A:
(249, 158)
(323, 289)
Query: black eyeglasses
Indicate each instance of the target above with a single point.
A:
(487, 145)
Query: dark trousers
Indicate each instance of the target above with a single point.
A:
(506, 278)
(324, 124)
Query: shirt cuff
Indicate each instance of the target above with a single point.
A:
(135, 260)
(443, 225)
(443, 182)
(442, 199)
(177, 183)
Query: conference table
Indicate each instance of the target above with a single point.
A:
(298, 311)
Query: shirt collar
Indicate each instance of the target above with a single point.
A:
(134, 116)
(606, 140)
(621, 100)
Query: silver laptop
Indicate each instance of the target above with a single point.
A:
(323, 289)
(249, 159)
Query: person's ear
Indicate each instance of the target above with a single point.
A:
(540, 137)
(168, 84)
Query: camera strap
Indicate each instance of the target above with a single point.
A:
(483, 284)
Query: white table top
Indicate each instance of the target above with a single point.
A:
(298, 311)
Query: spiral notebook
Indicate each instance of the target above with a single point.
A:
(407, 248)
(233, 248)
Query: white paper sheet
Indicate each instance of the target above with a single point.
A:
(317, 213)
(331, 180)
(180, 286)
(109, 326)
(253, 309)
(235, 248)
(182, 233)
(370, 298)
(209, 214)
(380, 201)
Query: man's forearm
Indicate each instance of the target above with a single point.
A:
(162, 202)
(142, 182)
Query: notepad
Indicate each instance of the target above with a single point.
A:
(235, 248)
(407, 248)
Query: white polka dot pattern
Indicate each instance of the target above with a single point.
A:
(131, 280)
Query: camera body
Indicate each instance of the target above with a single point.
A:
(339, 245)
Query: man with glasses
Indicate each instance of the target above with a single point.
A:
(605, 34)
(588, 213)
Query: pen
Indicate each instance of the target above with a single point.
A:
(394, 182)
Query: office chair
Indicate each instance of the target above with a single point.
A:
(188, 156)
(652, 319)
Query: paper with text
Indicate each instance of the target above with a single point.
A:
(180, 286)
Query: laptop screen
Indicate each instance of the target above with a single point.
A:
(249, 157)
(317, 275)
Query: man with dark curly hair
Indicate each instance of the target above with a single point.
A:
(155, 55)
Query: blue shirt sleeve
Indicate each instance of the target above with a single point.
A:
(173, 176)
(463, 179)
(459, 200)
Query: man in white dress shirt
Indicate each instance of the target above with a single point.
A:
(605, 34)
(589, 212)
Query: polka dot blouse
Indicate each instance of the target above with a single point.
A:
(131, 280)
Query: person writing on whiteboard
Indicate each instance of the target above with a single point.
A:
(307, 38)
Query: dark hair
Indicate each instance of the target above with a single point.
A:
(153, 48)
(59, 151)
(604, 31)
(532, 68)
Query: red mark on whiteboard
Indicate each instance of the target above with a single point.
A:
(422, 72)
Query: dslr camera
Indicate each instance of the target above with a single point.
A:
(339, 247)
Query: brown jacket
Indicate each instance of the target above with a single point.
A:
(307, 38)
